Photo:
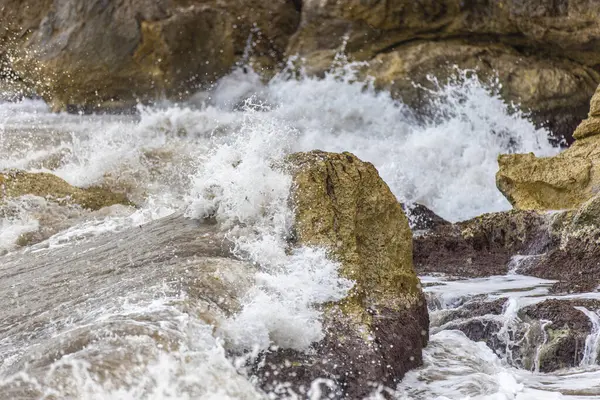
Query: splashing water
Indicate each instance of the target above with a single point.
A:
(214, 156)
(592, 342)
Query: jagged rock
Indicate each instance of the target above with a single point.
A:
(482, 246)
(564, 342)
(19, 183)
(539, 60)
(377, 333)
(553, 183)
(574, 260)
(101, 55)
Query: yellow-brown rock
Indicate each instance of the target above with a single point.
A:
(549, 86)
(591, 125)
(562, 182)
(343, 205)
(552, 183)
(588, 127)
(19, 183)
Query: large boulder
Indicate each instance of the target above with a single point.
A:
(98, 54)
(377, 333)
(544, 52)
(553, 183)
(374, 336)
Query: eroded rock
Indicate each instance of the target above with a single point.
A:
(482, 246)
(540, 61)
(545, 336)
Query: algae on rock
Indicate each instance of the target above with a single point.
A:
(16, 183)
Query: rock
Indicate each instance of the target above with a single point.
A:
(548, 87)
(564, 181)
(482, 246)
(372, 28)
(538, 58)
(19, 183)
(52, 218)
(552, 183)
(546, 336)
(422, 218)
(566, 334)
(376, 334)
(560, 246)
(574, 260)
(477, 307)
(591, 125)
(103, 55)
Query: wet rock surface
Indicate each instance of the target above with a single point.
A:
(552, 74)
(482, 246)
(376, 334)
(561, 246)
(544, 55)
(547, 336)
(174, 253)
(422, 218)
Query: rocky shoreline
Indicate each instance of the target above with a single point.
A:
(100, 56)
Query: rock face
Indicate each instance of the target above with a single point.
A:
(539, 59)
(99, 54)
(574, 259)
(19, 183)
(377, 333)
(561, 182)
